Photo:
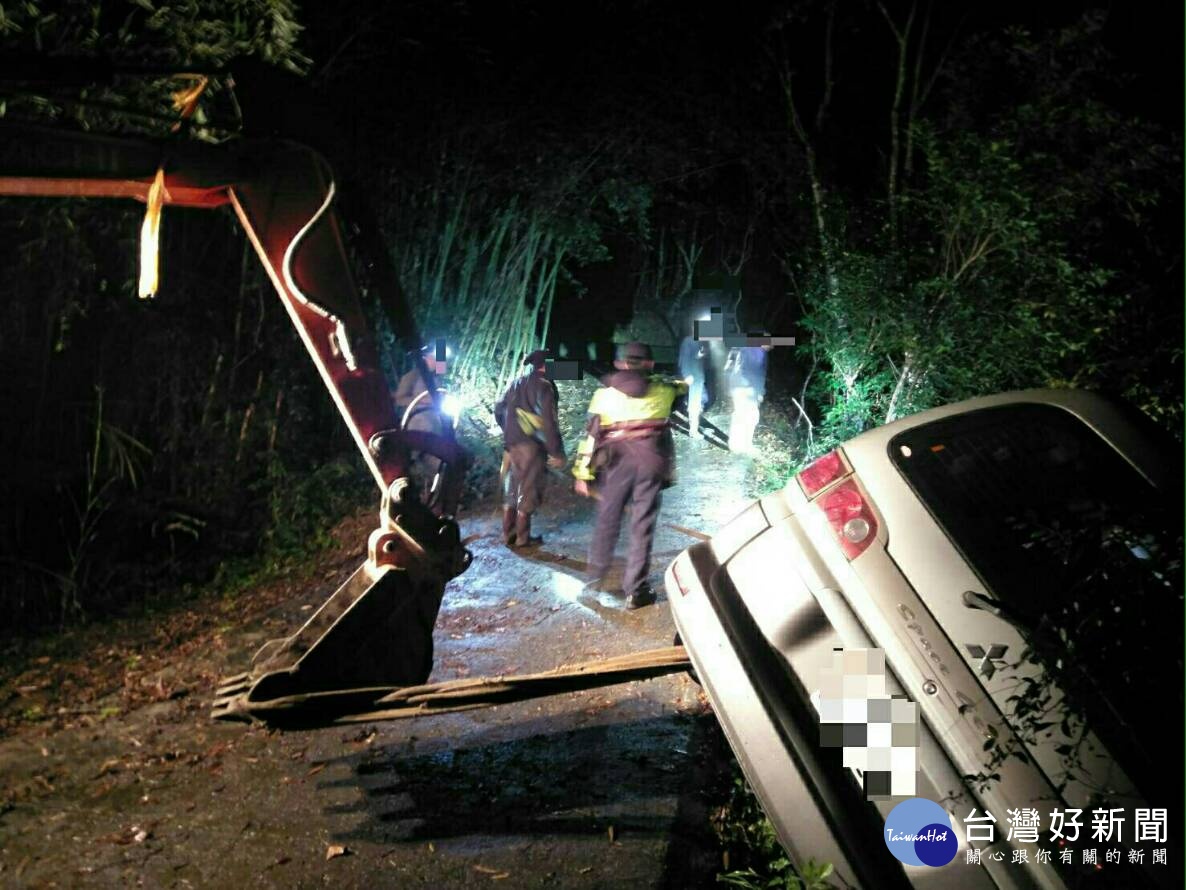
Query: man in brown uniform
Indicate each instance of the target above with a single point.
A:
(531, 436)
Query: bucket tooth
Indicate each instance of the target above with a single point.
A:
(233, 680)
(237, 685)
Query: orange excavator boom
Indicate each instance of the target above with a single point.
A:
(377, 628)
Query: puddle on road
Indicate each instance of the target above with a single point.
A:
(569, 589)
(558, 590)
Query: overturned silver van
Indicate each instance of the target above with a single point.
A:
(1016, 561)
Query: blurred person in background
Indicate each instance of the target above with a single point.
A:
(694, 369)
(745, 373)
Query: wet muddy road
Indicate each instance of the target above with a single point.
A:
(602, 788)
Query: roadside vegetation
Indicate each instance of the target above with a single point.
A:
(752, 857)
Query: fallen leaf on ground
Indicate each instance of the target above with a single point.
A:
(333, 851)
(133, 835)
(216, 749)
(486, 869)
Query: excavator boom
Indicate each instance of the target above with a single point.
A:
(377, 628)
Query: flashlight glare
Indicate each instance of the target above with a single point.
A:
(451, 405)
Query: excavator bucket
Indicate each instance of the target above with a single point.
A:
(374, 632)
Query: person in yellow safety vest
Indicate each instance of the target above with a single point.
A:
(629, 452)
(531, 439)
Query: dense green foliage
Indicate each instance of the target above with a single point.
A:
(1028, 242)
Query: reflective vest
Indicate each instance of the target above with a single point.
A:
(615, 416)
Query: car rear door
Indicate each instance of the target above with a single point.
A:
(1028, 531)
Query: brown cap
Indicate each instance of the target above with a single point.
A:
(538, 358)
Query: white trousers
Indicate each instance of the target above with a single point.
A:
(744, 420)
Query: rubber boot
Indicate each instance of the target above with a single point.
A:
(508, 526)
(644, 596)
(523, 536)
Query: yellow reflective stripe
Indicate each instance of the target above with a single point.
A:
(529, 422)
(580, 465)
(614, 406)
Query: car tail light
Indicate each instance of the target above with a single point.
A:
(821, 473)
(851, 518)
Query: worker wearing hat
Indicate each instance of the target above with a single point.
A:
(531, 438)
(412, 385)
(420, 414)
(628, 452)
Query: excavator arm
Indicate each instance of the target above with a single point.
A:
(377, 628)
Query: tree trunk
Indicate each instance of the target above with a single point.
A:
(818, 200)
(900, 386)
(902, 37)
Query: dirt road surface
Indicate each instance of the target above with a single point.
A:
(134, 786)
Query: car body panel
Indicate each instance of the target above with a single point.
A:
(779, 568)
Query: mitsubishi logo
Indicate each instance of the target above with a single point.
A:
(995, 653)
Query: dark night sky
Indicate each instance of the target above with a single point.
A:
(691, 74)
(556, 56)
(692, 81)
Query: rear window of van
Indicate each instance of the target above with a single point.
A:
(1083, 552)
